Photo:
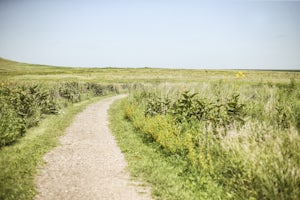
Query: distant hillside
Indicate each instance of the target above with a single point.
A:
(11, 70)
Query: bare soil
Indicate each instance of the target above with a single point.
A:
(88, 164)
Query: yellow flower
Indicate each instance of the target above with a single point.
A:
(240, 74)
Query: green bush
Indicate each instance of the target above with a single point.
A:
(24, 104)
(70, 91)
(95, 88)
(11, 125)
(188, 109)
(22, 107)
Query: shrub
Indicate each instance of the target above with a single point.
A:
(11, 124)
(70, 91)
(192, 110)
(24, 104)
(96, 89)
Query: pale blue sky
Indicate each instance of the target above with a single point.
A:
(153, 33)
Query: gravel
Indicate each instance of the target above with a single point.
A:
(88, 164)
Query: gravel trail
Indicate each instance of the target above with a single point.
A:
(88, 164)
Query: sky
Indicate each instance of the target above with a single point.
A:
(195, 34)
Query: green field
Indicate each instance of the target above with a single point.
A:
(10, 70)
(191, 134)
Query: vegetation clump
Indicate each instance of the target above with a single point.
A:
(24, 104)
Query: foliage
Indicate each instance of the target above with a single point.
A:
(70, 91)
(169, 176)
(10, 123)
(97, 89)
(190, 109)
(23, 105)
(243, 140)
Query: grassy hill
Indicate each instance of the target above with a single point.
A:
(11, 70)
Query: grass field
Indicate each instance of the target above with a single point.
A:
(229, 140)
(209, 134)
(10, 70)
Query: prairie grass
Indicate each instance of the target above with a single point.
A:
(182, 156)
(168, 175)
(10, 70)
(243, 138)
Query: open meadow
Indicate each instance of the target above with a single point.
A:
(191, 134)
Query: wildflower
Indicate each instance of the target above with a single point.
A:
(240, 74)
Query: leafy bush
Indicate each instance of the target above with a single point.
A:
(192, 110)
(11, 126)
(31, 103)
(97, 89)
(23, 105)
(70, 91)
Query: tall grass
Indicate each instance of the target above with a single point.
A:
(243, 137)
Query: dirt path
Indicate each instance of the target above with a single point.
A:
(88, 164)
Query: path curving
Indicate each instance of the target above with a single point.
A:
(88, 164)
